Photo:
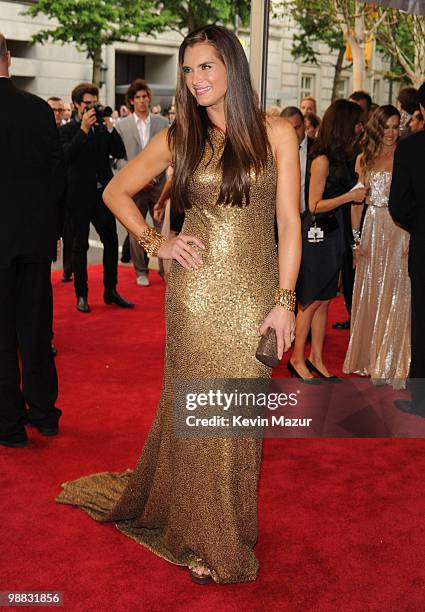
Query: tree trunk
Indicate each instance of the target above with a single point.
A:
(338, 71)
(97, 63)
(356, 40)
(413, 67)
(419, 43)
(359, 69)
(358, 48)
(191, 20)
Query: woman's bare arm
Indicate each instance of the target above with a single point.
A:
(118, 197)
(141, 170)
(319, 174)
(285, 147)
(288, 202)
(357, 209)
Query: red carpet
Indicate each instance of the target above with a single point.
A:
(342, 522)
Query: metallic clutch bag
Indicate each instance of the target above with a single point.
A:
(267, 349)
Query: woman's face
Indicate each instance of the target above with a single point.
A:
(205, 74)
(308, 106)
(391, 131)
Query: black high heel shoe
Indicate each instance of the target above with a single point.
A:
(293, 372)
(312, 368)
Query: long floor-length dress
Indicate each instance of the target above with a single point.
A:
(197, 497)
(380, 317)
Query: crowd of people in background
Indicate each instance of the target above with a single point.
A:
(350, 240)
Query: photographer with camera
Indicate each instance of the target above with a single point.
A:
(87, 141)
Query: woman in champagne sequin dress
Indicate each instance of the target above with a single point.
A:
(193, 501)
(380, 319)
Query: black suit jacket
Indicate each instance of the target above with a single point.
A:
(407, 196)
(32, 175)
(87, 160)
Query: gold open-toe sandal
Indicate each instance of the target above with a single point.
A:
(200, 578)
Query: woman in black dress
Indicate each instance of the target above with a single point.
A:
(326, 232)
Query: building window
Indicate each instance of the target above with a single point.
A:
(307, 87)
(342, 88)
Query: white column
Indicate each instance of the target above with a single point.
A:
(110, 76)
(258, 45)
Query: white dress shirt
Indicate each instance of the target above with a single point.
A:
(303, 165)
(143, 127)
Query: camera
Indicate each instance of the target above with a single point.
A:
(100, 112)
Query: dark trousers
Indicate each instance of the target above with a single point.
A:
(67, 240)
(417, 366)
(104, 223)
(347, 278)
(125, 253)
(26, 313)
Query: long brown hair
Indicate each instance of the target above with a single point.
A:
(246, 146)
(371, 142)
(336, 138)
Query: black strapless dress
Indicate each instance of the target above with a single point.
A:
(321, 262)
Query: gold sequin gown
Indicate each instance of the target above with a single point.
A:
(380, 316)
(197, 497)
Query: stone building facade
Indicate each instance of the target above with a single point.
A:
(53, 69)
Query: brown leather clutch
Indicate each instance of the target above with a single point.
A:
(267, 349)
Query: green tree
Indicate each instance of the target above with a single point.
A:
(402, 38)
(335, 22)
(90, 24)
(196, 13)
(317, 22)
(359, 23)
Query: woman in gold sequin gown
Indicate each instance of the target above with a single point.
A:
(380, 319)
(193, 501)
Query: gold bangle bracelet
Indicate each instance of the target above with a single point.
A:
(151, 241)
(285, 298)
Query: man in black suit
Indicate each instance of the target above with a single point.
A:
(87, 143)
(407, 207)
(32, 181)
(295, 116)
(57, 106)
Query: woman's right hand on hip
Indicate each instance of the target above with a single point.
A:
(183, 249)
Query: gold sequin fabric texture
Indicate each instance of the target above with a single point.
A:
(197, 497)
(380, 317)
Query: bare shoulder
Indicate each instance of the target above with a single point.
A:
(282, 137)
(279, 128)
(320, 163)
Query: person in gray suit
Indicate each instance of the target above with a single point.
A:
(136, 130)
